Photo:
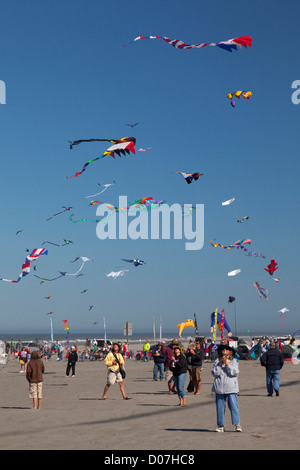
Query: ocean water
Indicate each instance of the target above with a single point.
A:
(138, 337)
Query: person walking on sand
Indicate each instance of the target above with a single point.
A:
(197, 358)
(146, 349)
(159, 360)
(34, 375)
(225, 371)
(273, 361)
(114, 361)
(179, 368)
(72, 359)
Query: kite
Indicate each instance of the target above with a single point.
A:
(77, 257)
(132, 125)
(231, 299)
(275, 279)
(189, 177)
(271, 267)
(185, 324)
(82, 220)
(84, 290)
(256, 351)
(283, 311)
(263, 293)
(122, 146)
(238, 94)
(229, 45)
(218, 319)
(48, 297)
(19, 231)
(237, 244)
(115, 274)
(67, 242)
(227, 203)
(26, 266)
(64, 273)
(64, 207)
(234, 273)
(90, 307)
(145, 150)
(105, 188)
(136, 262)
(254, 253)
(242, 219)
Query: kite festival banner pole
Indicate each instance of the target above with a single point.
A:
(160, 330)
(51, 330)
(235, 319)
(104, 330)
(154, 337)
(196, 325)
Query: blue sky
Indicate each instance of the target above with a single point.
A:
(67, 77)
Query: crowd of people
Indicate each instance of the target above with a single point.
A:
(172, 363)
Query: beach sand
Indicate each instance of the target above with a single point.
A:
(73, 416)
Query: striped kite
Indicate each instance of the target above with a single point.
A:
(237, 244)
(26, 266)
(229, 45)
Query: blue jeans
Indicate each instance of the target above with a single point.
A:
(179, 381)
(158, 367)
(146, 356)
(232, 405)
(272, 380)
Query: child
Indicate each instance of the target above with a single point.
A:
(34, 375)
(225, 371)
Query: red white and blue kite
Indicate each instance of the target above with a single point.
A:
(26, 266)
(229, 45)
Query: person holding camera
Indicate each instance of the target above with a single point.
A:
(225, 371)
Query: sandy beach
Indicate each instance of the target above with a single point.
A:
(73, 416)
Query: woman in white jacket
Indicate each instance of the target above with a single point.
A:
(225, 371)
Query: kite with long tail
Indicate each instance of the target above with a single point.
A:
(65, 209)
(67, 242)
(229, 45)
(237, 244)
(63, 273)
(121, 147)
(26, 266)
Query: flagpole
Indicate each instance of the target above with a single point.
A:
(154, 337)
(235, 318)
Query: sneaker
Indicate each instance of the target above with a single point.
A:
(238, 428)
(220, 429)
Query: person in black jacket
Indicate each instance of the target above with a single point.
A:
(179, 368)
(197, 357)
(72, 359)
(273, 361)
(159, 359)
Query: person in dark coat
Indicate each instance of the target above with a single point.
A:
(159, 359)
(179, 368)
(273, 361)
(72, 359)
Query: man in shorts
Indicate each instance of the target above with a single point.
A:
(34, 375)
